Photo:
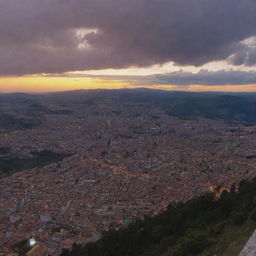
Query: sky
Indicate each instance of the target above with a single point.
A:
(192, 45)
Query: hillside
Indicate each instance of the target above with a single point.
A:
(202, 226)
(230, 107)
(226, 107)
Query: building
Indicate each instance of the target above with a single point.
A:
(38, 250)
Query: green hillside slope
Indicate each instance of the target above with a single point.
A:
(202, 226)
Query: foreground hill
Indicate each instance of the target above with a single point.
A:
(202, 226)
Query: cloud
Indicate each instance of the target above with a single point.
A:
(52, 36)
(179, 78)
(245, 54)
(205, 77)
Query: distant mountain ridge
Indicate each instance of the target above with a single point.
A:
(228, 107)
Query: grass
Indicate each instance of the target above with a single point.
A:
(232, 240)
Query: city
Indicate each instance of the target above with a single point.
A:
(120, 162)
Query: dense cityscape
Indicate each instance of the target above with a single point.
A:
(112, 161)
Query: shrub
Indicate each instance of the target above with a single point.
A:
(238, 218)
(253, 215)
(217, 228)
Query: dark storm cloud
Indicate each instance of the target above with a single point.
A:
(39, 36)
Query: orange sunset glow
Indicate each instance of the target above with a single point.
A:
(39, 84)
(55, 84)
